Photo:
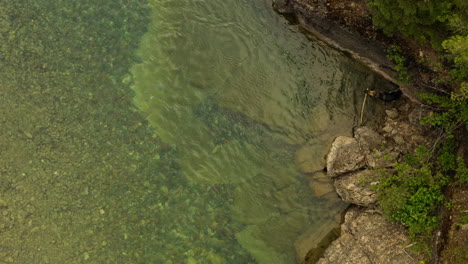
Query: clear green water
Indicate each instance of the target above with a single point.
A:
(164, 131)
(236, 91)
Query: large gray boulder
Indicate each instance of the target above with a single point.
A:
(356, 188)
(367, 238)
(344, 156)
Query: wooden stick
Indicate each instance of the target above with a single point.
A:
(362, 108)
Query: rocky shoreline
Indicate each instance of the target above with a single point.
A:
(353, 163)
(315, 17)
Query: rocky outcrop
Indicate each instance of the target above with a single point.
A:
(368, 139)
(344, 156)
(367, 238)
(356, 188)
(352, 163)
(314, 16)
(406, 134)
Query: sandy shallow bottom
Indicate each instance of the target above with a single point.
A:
(85, 178)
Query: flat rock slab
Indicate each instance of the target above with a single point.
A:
(368, 139)
(367, 238)
(344, 156)
(355, 187)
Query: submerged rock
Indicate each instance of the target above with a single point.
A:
(321, 185)
(315, 238)
(310, 157)
(366, 238)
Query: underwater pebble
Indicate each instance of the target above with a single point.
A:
(164, 190)
(85, 191)
(28, 135)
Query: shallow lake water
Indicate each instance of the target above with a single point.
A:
(237, 92)
(167, 131)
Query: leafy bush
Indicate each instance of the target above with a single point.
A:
(418, 19)
(454, 110)
(413, 193)
(423, 20)
(461, 171)
(394, 54)
(457, 48)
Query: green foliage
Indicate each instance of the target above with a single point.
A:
(457, 47)
(447, 158)
(457, 19)
(422, 20)
(412, 194)
(464, 219)
(394, 54)
(461, 171)
(418, 19)
(454, 110)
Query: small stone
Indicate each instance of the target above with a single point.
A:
(392, 113)
(388, 128)
(399, 140)
(165, 190)
(404, 108)
(85, 191)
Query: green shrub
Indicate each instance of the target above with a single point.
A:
(461, 171)
(394, 54)
(421, 20)
(412, 194)
(453, 110)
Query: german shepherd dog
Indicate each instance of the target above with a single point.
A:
(385, 96)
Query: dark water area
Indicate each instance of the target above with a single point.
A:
(166, 132)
